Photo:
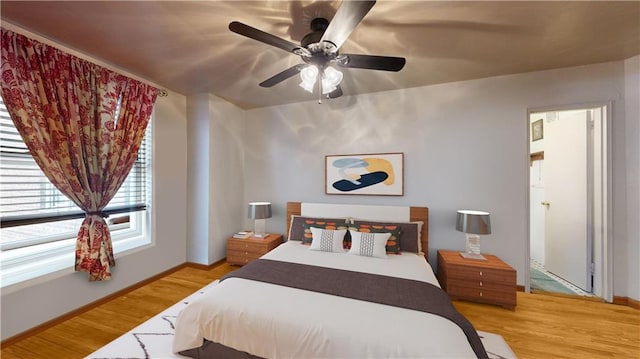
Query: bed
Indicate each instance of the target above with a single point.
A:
(297, 302)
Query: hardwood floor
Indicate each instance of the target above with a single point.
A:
(548, 326)
(542, 326)
(85, 333)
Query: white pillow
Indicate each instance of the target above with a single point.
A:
(369, 244)
(327, 240)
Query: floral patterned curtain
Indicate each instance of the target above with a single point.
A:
(65, 110)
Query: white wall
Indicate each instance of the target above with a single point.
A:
(198, 178)
(465, 146)
(632, 140)
(36, 304)
(215, 176)
(227, 169)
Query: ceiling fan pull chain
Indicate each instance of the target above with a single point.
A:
(320, 87)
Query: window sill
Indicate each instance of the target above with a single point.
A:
(59, 261)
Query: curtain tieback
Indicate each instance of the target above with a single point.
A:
(98, 213)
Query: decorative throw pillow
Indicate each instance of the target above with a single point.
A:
(332, 225)
(410, 240)
(393, 244)
(326, 240)
(297, 231)
(369, 244)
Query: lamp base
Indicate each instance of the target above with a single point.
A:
(472, 256)
(473, 248)
(263, 235)
(258, 228)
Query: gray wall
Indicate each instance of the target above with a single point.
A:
(215, 176)
(632, 131)
(465, 146)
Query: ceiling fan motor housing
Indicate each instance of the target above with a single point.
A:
(321, 52)
(318, 26)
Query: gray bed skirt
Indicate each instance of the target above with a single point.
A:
(211, 350)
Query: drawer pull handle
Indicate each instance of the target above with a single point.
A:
(481, 283)
(481, 294)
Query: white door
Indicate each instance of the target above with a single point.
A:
(537, 211)
(567, 248)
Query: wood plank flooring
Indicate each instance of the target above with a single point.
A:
(547, 326)
(542, 326)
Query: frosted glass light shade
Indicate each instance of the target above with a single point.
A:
(308, 75)
(331, 78)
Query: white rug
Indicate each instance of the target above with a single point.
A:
(153, 338)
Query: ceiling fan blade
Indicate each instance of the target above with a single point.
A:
(348, 16)
(335, 93)
(372, 62)
(279, 77)
(259, 35)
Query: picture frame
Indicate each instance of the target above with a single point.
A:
(537, 130)
(376, 174)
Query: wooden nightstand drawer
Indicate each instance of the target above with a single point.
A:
(500, 297)
(243, 251)
(481, 274)
(246, 246)
(240, 258)
(481, 284)
(244, 254)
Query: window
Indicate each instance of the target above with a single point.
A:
(39, 222)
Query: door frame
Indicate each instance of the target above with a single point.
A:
(606, 267)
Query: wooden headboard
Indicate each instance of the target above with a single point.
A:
(415, 214)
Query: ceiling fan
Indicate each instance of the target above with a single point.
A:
(319, 50)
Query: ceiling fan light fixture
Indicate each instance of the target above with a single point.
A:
(331, 78)
(308, 75)
(320, 48)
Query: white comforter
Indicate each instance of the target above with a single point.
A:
(272, 321)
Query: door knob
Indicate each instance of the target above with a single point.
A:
(545, 203)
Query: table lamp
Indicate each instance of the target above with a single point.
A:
(259, 211)
(473, 223)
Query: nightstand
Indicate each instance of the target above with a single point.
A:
(491, 281)
(243, 251)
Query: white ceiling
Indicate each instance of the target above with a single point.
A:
(185, 46)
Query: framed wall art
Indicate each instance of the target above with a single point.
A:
(537, 130)
(380, 174)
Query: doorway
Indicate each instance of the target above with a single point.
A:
(569, 247)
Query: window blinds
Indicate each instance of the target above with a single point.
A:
(28, 197)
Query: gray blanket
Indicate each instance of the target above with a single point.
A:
(398, 292)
